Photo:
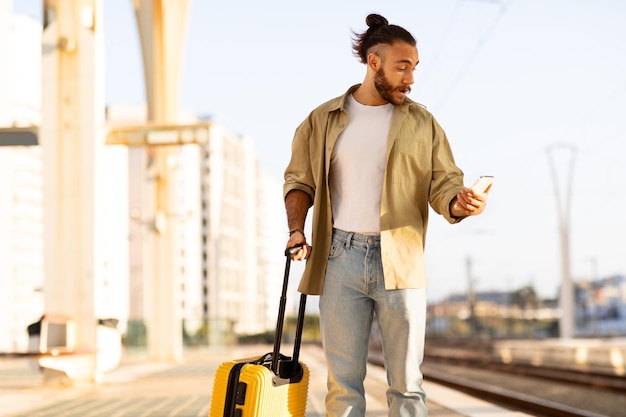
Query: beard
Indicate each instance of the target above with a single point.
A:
(386, 90)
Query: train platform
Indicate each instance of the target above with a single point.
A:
(139, 388)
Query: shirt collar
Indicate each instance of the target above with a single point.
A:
(339, 103)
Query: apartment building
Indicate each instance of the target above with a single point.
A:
(241, 245)
(228, 216)
(22, 284)
(21, 190)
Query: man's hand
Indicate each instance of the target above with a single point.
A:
(297, 203)
(296, 237)
(468, 203)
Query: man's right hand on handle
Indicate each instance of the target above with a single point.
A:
(297, 203)
(296, 237)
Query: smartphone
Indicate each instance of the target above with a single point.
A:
(482, 184)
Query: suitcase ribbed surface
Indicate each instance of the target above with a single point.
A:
(220, 387)
(297, 395)
(262, 398)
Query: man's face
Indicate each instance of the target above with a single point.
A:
(394, 78)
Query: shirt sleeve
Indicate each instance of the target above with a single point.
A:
(447, 177)
(298, 174)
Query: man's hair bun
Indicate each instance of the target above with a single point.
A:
(374, 20)
(379, 32)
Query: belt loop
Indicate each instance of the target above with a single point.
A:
(349, 240)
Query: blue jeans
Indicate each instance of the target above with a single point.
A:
(354, 290)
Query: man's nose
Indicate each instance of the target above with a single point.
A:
(409, 79)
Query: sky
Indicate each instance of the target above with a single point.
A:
(518, 86)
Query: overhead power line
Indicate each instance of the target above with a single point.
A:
(479, 45)
(442, 43)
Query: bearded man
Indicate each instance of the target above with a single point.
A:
(369, 163)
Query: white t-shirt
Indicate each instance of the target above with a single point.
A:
(357, 168)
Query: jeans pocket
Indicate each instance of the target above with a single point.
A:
(337, 249)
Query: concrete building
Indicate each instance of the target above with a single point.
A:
(22, 197)
(228, 241)
(21, 189)
(272, 227)
(601, 307)
(21, 245)
(242, 224)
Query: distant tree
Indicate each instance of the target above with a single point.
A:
(525, 298)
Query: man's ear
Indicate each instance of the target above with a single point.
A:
(373, 61)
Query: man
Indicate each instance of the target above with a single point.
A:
(370, 162)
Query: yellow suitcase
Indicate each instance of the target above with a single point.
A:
(272, 385)
(248, 388)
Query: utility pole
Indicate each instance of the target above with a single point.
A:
(471, 297)
(563, 205)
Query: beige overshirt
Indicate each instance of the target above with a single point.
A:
(420, 170)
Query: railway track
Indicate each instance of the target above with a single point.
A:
(507, 398)
(591, 378)
(540, 391)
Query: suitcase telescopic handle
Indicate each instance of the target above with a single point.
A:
(289, 253)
